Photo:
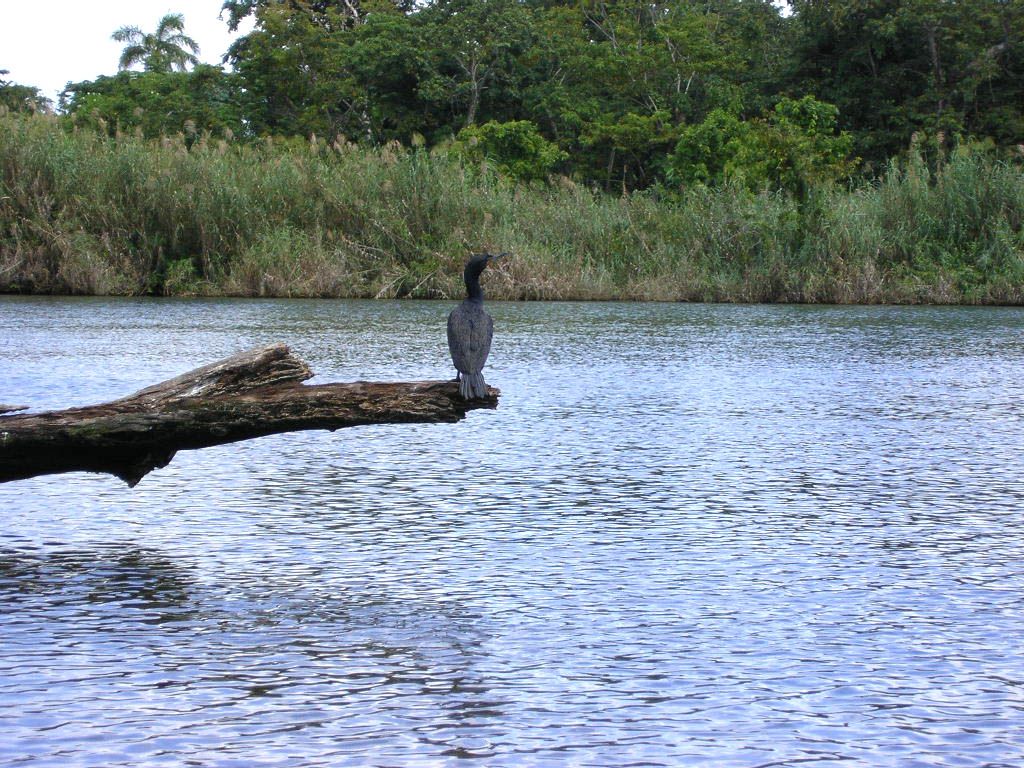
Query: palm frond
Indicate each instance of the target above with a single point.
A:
(127, 34)
(183, 41)
(171, 22)
(166, 49)
(132, 55)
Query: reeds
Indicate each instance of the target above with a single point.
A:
(81, 213)
(947, 235)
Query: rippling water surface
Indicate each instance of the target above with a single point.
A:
(690, 535)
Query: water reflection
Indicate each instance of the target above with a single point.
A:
(140, 644)
(731, 536)
(118, 577)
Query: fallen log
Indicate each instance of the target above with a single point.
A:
(252, 394)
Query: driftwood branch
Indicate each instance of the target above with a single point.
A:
(252, 394)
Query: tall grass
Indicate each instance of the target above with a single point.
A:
(951, 235)
(81, 213)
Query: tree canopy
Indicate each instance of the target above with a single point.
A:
(613, 93)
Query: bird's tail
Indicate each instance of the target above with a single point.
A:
(472, 386)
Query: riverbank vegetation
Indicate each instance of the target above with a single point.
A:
(693, 151)
(81, 212)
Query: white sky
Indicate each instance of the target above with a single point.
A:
(48, 43)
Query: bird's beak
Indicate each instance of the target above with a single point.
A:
(496, 256)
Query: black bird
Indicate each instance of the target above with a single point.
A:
(470, 329)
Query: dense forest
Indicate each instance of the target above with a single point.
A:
(798, 128)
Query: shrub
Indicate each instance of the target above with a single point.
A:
(516, 148)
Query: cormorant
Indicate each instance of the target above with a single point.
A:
(470, 329)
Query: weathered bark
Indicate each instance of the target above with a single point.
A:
(252, 394)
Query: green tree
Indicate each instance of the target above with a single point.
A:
(793, 147)
(383, 65)
(207, 99)
(516, 148)
(21, 98)
(616, 83)
(164, 50)
(613, 80)
(295, 71)
(325, 13)
(607, 81)
(478, 43)
(705, 151)
(899, 67)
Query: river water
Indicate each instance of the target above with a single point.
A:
(690, 535)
